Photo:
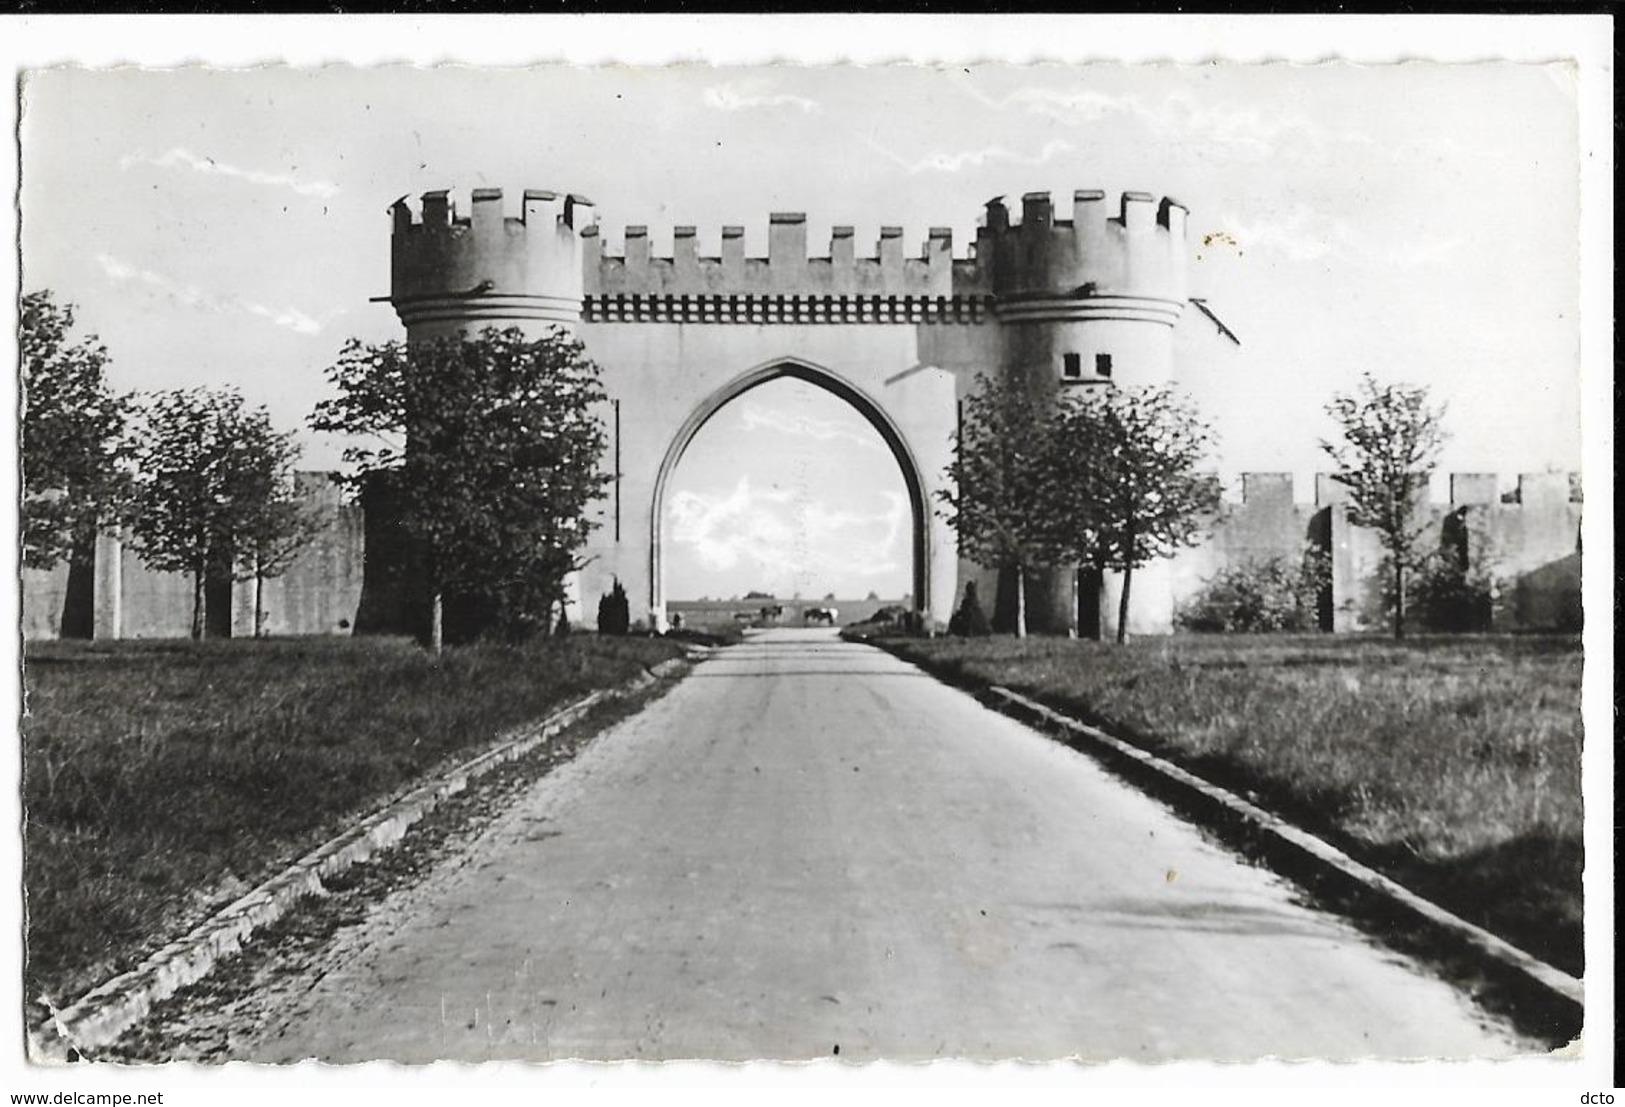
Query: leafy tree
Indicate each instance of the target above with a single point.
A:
(491, 447)
(1391, 438)
(1001, 497)
(277, 533)
(214, 494)
(1126, 487)
(71, 436)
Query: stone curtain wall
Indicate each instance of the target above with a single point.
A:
(321, 591)
(1530, 538)
(45, 592)
(319, 594)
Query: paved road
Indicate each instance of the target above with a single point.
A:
(808, 847)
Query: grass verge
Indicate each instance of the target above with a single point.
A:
(1450, 764)
(711, 634)
(214, 1019)
(162, 779)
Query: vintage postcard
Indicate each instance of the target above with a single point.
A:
(1066, 559)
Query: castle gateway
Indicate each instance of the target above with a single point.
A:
(1051, 303)
(1086, 300)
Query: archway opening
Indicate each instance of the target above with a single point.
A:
(787, 493)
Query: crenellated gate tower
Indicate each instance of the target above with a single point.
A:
(1086, 301)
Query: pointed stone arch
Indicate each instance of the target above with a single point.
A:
(836, 385)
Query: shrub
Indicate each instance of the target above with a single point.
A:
(890, 614)
(1450, 595)
(970, 621)
(1260, 596)
(614, 611)
(1456, 586)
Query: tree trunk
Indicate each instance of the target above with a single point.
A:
(79, 597)
(197, 603)
(1021, 602)
(1122, 605)
(259, 602)
(1399, 599)
(437, 624)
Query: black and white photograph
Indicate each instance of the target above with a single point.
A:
(1095, 555)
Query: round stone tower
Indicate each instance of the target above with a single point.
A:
(458, 274)
(451, 273)
(1089, 301)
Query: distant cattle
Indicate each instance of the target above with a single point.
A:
(825, 615)
(772, 614)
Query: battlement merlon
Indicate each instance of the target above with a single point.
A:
(451, 272)
(1136, 252)
(1468, 490)
(785, 271)
(1129, 264)
(487, 211)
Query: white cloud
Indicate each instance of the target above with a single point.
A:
(867, 541)
(1080, 105)
(1422, 250)
(755, 416)
(179, 156)
(1300, 234)
(291, 318)
(1303, 234)
(193, 297)
(781, 536)
(1177, 115)
(744, 95)
(955, 162)
(723, 530)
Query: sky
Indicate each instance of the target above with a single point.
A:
(787, 491)
(1418, 221)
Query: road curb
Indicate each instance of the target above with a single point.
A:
(105, 1013)
(1554, 998)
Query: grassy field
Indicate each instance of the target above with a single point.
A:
(1452, 764)
(162, 778)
